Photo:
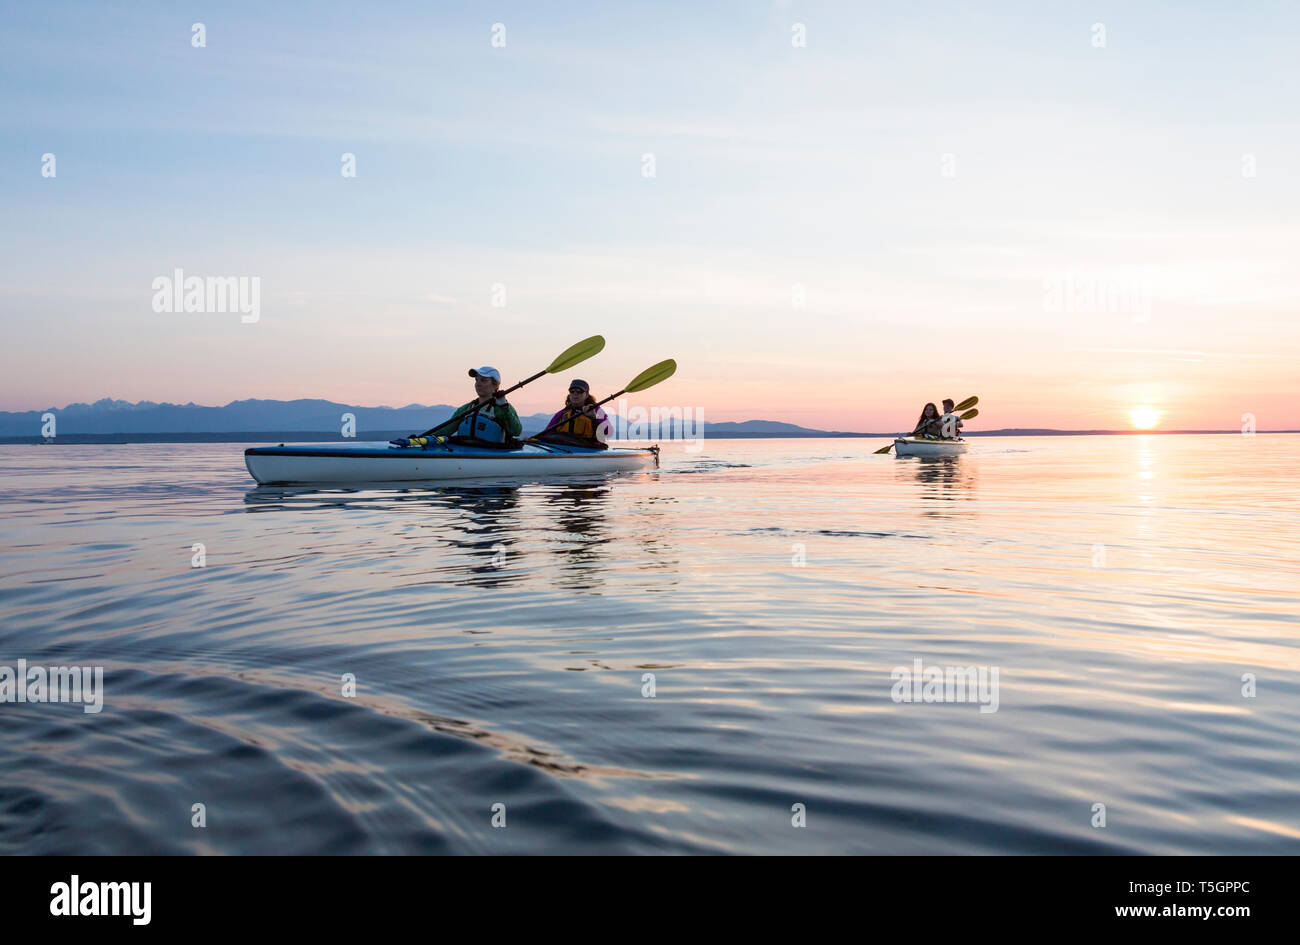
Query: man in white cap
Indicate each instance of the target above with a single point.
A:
(488, 419)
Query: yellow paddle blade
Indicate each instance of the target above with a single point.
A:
(967, 403)
(883, 449)
(578, 353)
(970, 413)
(652, 376)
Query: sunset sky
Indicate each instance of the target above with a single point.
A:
(949, 188)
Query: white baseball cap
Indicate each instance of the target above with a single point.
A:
(486, 371)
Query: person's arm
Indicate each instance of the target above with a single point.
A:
(506, 416)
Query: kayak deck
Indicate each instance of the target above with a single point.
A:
(362, 462)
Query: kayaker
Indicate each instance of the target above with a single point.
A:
(949, 423)
(928, 424)
(488, 420)
(580, 419)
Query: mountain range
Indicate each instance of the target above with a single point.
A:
(322, 417)
(110, 420)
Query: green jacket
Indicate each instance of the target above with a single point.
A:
(504, 415)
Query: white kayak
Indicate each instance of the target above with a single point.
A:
(363, 462)
(924, 446)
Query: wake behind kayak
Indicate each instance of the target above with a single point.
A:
(362, 462)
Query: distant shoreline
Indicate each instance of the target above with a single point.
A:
(84, 439)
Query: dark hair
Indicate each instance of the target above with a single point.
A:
(949, 402)
(924, 411)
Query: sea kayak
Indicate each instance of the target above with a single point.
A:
(310, 463)
(923, 446)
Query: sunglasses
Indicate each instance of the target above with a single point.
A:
(576, 390)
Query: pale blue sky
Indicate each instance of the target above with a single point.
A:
(775, 165)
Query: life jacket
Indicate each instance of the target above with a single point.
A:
(577, 423)
(929, 428)
(480, 424)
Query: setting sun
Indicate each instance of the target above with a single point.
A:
(1144, 418)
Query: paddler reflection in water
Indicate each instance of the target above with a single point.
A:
(580, 421)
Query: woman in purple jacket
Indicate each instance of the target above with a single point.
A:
(580, 418)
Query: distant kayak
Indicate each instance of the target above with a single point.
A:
(363, 462)
(921, 446)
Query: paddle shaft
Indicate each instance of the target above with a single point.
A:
(560, 423)
(509, 390)
(965, 405)
(574, 354)
(527, 380)
(655, 374)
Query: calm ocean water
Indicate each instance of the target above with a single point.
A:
(501, 637)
